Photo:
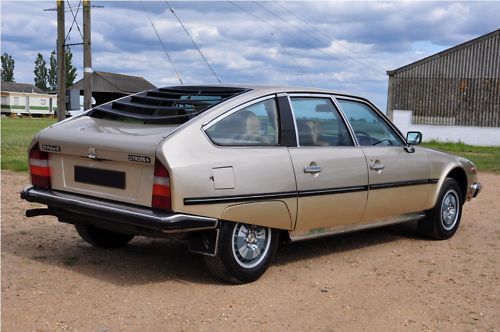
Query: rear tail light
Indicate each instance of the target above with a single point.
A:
(161, 188)
(39, 167)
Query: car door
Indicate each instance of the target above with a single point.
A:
(399, 180)
(330, 170)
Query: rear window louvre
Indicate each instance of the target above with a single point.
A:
(172, 105)
(111, 114)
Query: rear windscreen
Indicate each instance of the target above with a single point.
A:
(172, 105)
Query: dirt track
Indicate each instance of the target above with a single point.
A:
(384, 279)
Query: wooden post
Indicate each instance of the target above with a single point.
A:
(61, 63)
(390, 97)
(87, 57)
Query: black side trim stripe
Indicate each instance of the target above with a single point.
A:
(238, 198)
(332, 191)
(401, 184)
(305, 193)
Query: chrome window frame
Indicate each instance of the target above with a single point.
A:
(329, 96)
(220, 117)
(382, 116)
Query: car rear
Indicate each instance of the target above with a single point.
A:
(103, 164)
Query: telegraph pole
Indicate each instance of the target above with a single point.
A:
(61, 63)
(87, 57)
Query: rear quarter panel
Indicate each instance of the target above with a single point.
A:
(191, 160)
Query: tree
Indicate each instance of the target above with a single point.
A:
(70, 70)
(52, 75)
(7, 68)
(41, 75)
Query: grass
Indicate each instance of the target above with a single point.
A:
(16, 136)
(486, 158)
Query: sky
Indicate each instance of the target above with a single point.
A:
(344, 46)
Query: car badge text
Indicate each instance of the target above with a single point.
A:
(51, 148)
(139, 159)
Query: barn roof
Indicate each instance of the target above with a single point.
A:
(112, 82)
(20, 87)
(446, 52)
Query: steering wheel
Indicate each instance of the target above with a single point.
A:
(383, 140)
(363, 136)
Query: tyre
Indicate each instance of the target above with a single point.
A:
(244, 252)
(443, 220)
(102, 238)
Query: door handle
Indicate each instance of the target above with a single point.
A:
(312, 169)
(377, 167)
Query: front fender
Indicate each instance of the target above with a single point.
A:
(442, 165)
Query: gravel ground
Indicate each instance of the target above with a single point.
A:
(383, 279)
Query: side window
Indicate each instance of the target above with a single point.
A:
(319, 122)
(254, 125)
(369, 127)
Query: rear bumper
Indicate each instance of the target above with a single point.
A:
(75, 208)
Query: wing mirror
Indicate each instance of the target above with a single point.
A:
(413, 138)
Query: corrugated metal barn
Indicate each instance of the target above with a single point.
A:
(459, 86)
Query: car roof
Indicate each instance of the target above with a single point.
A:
(265, 89)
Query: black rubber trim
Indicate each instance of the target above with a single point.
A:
(332, 191)
(401, 184)
(238, 198)
(304, 193)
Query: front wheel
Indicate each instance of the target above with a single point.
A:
(443, 219)
(244, 252)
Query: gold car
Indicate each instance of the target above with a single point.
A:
(235, 170)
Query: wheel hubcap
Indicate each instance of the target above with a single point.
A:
(250, 244)
(450, 209)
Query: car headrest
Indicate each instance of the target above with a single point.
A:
(323, 108)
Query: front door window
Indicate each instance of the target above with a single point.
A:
(369, 127)
(319, 123)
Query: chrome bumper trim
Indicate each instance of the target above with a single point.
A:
(476, 189)
(118, 213)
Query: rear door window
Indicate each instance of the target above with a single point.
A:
(256, 124)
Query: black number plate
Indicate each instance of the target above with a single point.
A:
(100, 177)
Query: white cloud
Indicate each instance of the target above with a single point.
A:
(347, 46)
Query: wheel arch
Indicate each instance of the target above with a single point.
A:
(455, 172)
(459, 175)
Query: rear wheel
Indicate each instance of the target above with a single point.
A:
(443, 220)
(102, 238)
(244, 252)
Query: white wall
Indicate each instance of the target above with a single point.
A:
(482, 136)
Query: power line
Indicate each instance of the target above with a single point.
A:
(286, 21)
(74, 20)
(282, 31)
(299, 67)
(162, 45)
(271, 24)
(367, 63)
(192, 40)
(346, 51)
